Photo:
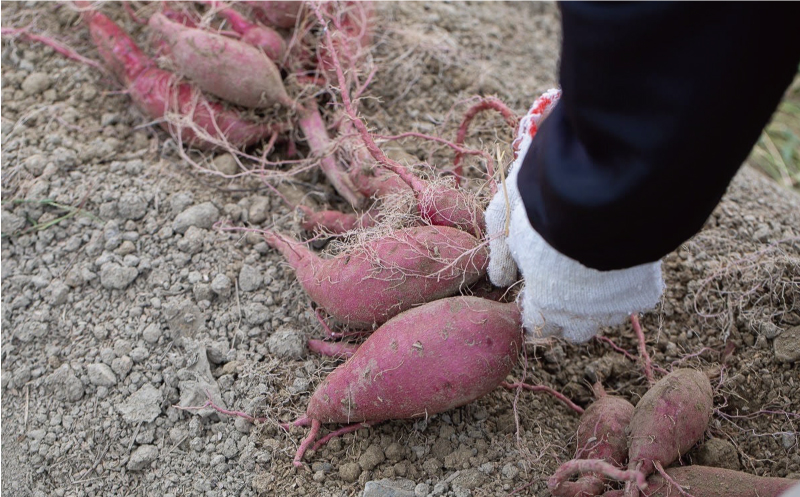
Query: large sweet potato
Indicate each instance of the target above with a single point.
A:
(369, 284)
(427, 360)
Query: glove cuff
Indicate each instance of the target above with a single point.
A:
(564, 298)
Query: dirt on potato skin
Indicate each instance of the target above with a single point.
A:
(105, 313)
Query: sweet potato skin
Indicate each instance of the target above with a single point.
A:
(427, 360)
(704, 481)
(601, 432)
(669, 419)
(601, 435)
(156, 91)
(230, 69)
(369, 285)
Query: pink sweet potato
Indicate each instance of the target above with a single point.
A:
(267, 39)
(156, 92)
(316, 133)
(669, 419)
(703, 481)
(335, 221)
(601, 435)
(427, 360)
(339, 350)
(230, 69)
(277, 13)
(369, 285)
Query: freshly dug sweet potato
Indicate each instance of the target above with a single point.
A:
(156, 91)
(427, 360)
(335, 221)
(228, 68)
(267, 39)
(669, 419)
(703, 481)
(370, 284)
(601, 435)
(277, 13)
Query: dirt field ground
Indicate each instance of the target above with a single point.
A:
(119, 300)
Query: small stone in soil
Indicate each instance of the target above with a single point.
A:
(259, 210)
(36, 83)
(116, 277)
(226, 164)
(371, 458)
(142, 407)
(142, 457)
(389, 488)
(131, 206)
(202, 216)
(787, 345)
(221, 285)
(249, 278)
(152, 333)
(101, 375)
(289, 343)
(349, 472)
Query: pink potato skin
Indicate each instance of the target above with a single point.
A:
(669, 419)
(600, 435)
(427, 360)
(262, 37)
(335, 221)
(369, 285)
(155, 91)
(276, 13)
(230, 69)
(703, 481)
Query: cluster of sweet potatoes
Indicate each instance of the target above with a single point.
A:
(666, 422)
(235, 78)
(408, 284)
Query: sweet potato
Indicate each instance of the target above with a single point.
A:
(437, 203)
(601, 435)
(369, 178)
(228, 68)
(669, 419)
(335, 221)
(340, 350)
(427, 360)
(267, 39)
(316, 133)
(703, 481)
(277, 13)
(156, 92)
(370, 284)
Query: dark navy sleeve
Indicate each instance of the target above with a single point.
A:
(662, 102)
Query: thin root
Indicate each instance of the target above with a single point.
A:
(541, 388)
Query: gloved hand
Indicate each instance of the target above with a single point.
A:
(561, 297)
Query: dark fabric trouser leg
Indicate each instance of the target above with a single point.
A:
(662, 102)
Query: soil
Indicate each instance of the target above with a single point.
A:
(121, 301)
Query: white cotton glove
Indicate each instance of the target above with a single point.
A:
(561, 297)
(502, 268)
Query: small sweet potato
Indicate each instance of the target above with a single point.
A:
(369, 284)
(279, 14)
(601, 435)
(703, 481)
(669, 419)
